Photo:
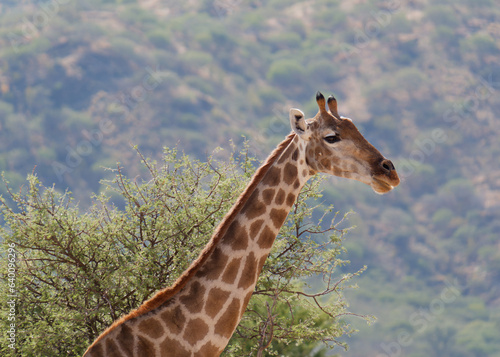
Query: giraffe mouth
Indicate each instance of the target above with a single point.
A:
(381, 186)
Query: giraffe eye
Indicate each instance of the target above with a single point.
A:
(332, 139)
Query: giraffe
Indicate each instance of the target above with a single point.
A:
(196, 316)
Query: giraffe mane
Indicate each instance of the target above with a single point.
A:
(162, 296)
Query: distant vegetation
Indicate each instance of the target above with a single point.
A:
(82, 82)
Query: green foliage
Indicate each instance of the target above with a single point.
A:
(285, 73)
(479, 338)
(443, 15)
(481, 44)
(77, 272)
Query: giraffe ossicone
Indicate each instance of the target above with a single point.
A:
(197, 315)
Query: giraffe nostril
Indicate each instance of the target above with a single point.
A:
(388, 165)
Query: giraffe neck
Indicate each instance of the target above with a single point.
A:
(201, 317)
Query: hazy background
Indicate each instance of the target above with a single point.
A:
(82, 82)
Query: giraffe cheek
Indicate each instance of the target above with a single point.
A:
(326, 164)
(336, 171)
(311, 159)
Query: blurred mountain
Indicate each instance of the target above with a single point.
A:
(82, 82)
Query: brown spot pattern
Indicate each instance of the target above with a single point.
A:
(249, 272)
(170, 347)
(144, 348)
(112, 349)
(266, 238)
(193, 301)
(215, 301)
(286, 154)
(208, 350)
(290, 199)
(231, 271)
(326, 163)
(96, 350)
(125, 339)
(236, 236)
(213, 268)
(268, 195)
(245, 303)
(295, 154)
(272, 177)
(280, 197)
(254, 207)
(228, 321)
(196, 330)
(255, 228)
(174, 319)
(262, 261)
(151, 327)
(289, 173)
(278, 217)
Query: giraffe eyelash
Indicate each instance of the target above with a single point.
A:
(332, 138)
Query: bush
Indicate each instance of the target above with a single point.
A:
(160, 38)
(286, 73)
(76, 272)
(480, 44)
(442, 15)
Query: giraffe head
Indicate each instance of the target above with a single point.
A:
(334, 145)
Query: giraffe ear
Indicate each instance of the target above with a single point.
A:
(298, 123)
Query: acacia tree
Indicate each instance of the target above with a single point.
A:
(76, 272)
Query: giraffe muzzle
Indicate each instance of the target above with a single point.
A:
(386, 178)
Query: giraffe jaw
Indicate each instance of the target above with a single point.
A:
(381, 186)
